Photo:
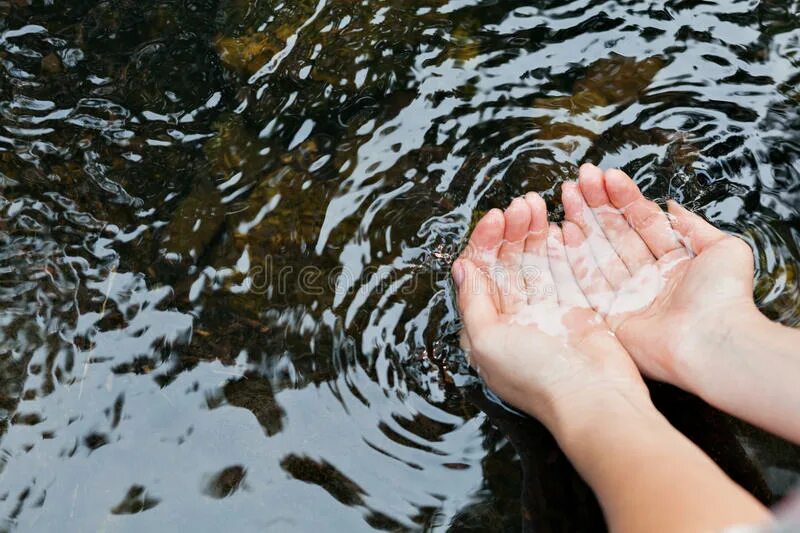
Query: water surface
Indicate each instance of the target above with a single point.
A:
(227, 227)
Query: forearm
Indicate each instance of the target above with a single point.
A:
(649, 477)
(749, 367)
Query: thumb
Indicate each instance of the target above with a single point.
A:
(697, 234)
(475, 300)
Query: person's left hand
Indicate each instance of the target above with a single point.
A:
(528, 328)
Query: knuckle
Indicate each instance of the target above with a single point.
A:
(651, 217)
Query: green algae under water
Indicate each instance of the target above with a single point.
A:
(227, 225)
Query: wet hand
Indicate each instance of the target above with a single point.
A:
(529, 329)
(659, 279)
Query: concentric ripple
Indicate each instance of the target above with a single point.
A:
(226, 228)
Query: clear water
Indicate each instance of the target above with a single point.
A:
(227, 226)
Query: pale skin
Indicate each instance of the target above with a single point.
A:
(561, 320)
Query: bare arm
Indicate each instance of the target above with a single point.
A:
(749, 367)
(701, 331)
(550, 354)
(648, 476)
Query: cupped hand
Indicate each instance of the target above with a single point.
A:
(661, 280)
(529, 329)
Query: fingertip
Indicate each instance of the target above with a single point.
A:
(488, 233)
(621, 189)
(517, 220)
(697, 233)
(532, 195)
(569, 185)
(517, 202)
(674, 207)
(538, 209)
(617, 175)
(589, 171)
(678, 216)
(494, 214)
(588, 168)
(534, 199)
(572, 199)
(592, 185)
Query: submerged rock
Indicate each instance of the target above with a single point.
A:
(248, 53)
(196, 222)
(233, 148)
(618, 80)
(136, 500)
(225, 482)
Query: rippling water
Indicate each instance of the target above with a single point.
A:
(227, 225)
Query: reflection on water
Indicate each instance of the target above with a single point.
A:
(169, 170)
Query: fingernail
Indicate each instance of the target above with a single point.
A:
(458, 273)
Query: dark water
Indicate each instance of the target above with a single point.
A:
(226, 229)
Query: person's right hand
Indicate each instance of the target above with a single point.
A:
(663, 281)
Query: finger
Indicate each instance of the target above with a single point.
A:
(697, 234)
(540, 287)
(587, 273)
(577, 211)
(511, 283)
(484, 244)
(626, 242)
(644, 216)
(486, 238)
(569, 293)
(474, 293)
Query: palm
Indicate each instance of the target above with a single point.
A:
(653, 277)
(719, 276)
(550, 311)
(524, 313)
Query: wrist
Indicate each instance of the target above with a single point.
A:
(634, 460)
(725, 359)
(614, 430)
(748, 367)
(575, 420)
(701, 349)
